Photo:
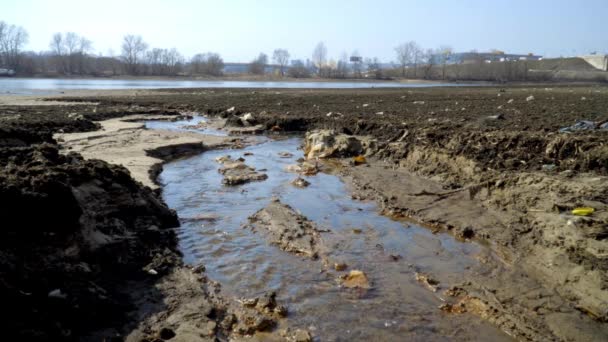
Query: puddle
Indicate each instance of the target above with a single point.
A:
(186, 125)
(397, 308)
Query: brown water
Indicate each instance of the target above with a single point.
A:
(397, 308)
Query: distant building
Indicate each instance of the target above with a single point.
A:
(243, 68)
(483, 57)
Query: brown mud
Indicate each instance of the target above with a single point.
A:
(487, 164)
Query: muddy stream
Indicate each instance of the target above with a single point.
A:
(213, 232)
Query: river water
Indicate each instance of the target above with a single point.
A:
(29, 86)
(212, 232)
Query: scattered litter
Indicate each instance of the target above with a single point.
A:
(56, 293)
(418, 102)
(585, 125)
(529, 98)
(510, 101)
(365, 105)
(548, 167)
(230, 110)
(247, 119)
(358, 160)
(152, 272)
(496, 117)
(584, 211)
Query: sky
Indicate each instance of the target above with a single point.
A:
(240, 29)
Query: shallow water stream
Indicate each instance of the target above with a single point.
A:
(398, 307)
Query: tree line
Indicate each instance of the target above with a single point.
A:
(71, 54)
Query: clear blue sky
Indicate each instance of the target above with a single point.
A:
(240, 29)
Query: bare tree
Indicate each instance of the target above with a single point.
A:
(299, 70)
(374, 67)
(133, 50)
(342, 66)
(429, 60)
(70, 52)
(209, 64)
(319, 57)
(444, 52)
(417, 55)
(281, 57)
(258, 65)
(404, 55)
(12, 40)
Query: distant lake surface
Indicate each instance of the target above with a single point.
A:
(35, 86)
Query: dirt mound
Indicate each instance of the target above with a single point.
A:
(74, 233)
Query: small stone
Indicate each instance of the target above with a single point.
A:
(355, 279)
(395, 257)
(166, 334)
(340, 266)
(302, 336)
(300, 182)
(428, 281)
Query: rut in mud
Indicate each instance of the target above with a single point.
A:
(349, 236)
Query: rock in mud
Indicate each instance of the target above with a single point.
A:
(291, 231)
(330, 144)
(300, 182)
(428, 281)
(340, 266)
(237, 172)
(355, 279)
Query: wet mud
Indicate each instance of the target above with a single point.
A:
(480, 168)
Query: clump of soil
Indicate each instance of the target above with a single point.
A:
(74, 233)
(291, 231)
(236, 172)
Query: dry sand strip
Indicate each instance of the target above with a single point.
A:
(125, 141)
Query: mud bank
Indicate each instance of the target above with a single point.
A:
(486, 164)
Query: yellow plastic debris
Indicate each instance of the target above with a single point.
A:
(359, 160)
(586, 211)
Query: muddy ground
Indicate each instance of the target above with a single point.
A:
(487, 164)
